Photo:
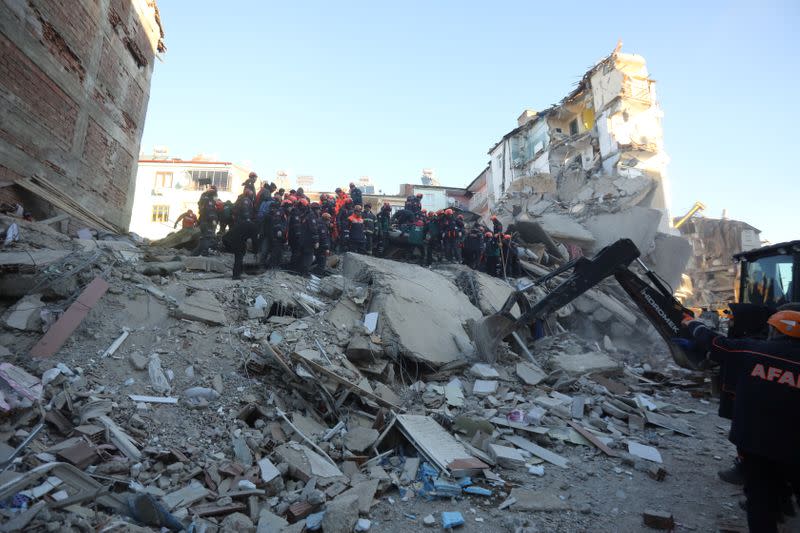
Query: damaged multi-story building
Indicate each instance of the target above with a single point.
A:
(74, 86)
(590, 169)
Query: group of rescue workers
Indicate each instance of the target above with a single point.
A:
(281, 223)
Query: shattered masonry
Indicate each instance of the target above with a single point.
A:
(74, 86)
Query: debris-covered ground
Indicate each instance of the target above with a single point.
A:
(144, 388)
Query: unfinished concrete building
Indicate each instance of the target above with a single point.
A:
(74, 86)
(590, 169)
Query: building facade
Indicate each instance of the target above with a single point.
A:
(603, 139)
(166, 188)
(74, 86)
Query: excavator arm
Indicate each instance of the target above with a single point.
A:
(652, 297)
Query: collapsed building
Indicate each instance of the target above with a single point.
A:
(74, 86)
(589, 170)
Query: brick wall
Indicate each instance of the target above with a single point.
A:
(74, 86)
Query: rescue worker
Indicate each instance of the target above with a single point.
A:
(491, 254)
(449, 235)
(384, 224)
(763, 428)
(279, 225)
(342, 216)
(369, 228)
(303, 237)
(243, 229)
(324, 248)
(497, 226)
(418, 202)
(410, 205)
(510, 255)
(355, 194)
(207, 219)
(301, 195)
(433, 238)
(187, 219)
(356, 239)
(462, 234)
(250, 182)
(225, 215)
(473, 247)
(416, 238)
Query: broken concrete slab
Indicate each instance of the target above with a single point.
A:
(565, 228)
(359, 438)
(183, 238)
(482, 387)
(269, 522)
(585, 363)
(422, 312)
(186, 496)
(365, 491)
(206, 264)
(529, 373)
(202, 306)
(361, 348)
(341, 514)
(26, 315)
(484, 371)
(506, 456)
(532, 232)
(305, 463)
(536, 500)
(59, 332)
(638, 224)
(670, 257)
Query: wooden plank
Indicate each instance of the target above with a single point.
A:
(538, 451)
(588, 435)
(340, 380)
(57, 335)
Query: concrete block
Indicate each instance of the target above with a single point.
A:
(577, 364)
(529, 373)
(202, 306)
(505, 456)
(483, 371)
(483, 387)
(670, 257)
(25, 315)
(359, 438)
(341, 514)
(638, 224)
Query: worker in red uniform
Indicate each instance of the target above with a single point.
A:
(356, 238)
(188, 219)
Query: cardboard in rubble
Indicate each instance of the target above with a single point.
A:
(422, 312)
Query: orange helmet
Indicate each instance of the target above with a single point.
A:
(494, 217)
(787, 322)
(488, 234)
(303, 202)
(448, 211)
(507, 237)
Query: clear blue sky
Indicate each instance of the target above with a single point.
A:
(343, 89)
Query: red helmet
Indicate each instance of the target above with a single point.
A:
(419, 223)
(303, 202)
(448, 211)
(419, 195)
(488, 234)
(293, 199)
(494, 217)
(507, 237)
(460, 217)
(348, 201)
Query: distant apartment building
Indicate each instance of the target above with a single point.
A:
(604, 139)
(166, 188)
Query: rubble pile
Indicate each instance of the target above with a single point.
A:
(142, 389)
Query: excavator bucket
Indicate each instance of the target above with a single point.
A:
(489, 332)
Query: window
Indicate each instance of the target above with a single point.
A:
(768, 281)
(160, 213)
(163, 180)
(203, 178)
(573, 127)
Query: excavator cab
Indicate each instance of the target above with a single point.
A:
(770, 275)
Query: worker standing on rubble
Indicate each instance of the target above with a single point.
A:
(449, 235)
(324, 248)
(355, 194)
(303, 237)
(416, 238)
(492, 254)
(766, 391)
(369, 228)
(461, 235)
(433, 238)
(356, 238)
(188, 220)
(207, 219)
(243, 229)
(473, 247)
(497, 226)
(384, 225)
(279, 225)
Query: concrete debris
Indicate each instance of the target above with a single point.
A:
(202, 306)
(278, 403)
(422, 312)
